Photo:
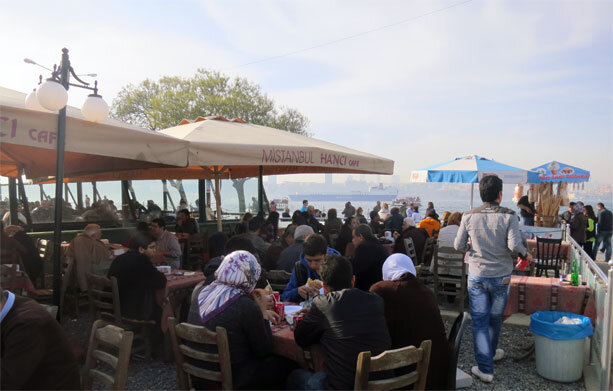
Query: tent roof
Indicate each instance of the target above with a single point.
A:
(28, 142)
(470, 169)
(555, 171)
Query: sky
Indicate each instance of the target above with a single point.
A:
(420, 82)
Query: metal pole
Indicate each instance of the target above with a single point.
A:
(472, 190)
(261, 191)
(79, 196)
(59, 180)
(42, 193)
(201, 201)
(218, 198)
(13, 201)
(607, 340)
(24, 201)
(165, 192)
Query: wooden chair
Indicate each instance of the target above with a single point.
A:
(428, 252)
(200, 335)
(45, 250)
(278, 279)
(390, 360)
(410, 249)
(46, 295)
(98, 352)
(455, 340)
(104, 303)
(195, 249)
(548, 256)
(450, 284)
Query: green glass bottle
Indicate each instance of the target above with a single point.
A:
(575, 275)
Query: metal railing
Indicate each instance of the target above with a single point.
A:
(600, 284)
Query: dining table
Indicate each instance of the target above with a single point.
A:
(285, 345)
(179, 285)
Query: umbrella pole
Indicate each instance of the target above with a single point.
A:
(472, 192)
(218, 199)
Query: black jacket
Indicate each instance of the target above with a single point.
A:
(578, 224)
(605, 220)
(394, 223)
(367, 263)
(289, 256)
(189, 227)
(249, 336)
(419, 236)
(345, 323)
(138, 280)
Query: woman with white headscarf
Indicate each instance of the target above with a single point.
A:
(232, 303)
(412, 315)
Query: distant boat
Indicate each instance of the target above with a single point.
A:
(375, 193)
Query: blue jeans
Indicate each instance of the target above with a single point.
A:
(301, 379)
(603, 237)
(488, 298)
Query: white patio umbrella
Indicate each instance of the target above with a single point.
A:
(28, 143)
(470, 169)
(221, 148)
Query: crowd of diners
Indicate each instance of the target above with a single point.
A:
(359, 295)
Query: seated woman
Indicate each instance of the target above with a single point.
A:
(231, 302)
(412, 315)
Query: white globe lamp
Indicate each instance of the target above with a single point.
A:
(95, 109)
(32, 101)
(52, 95)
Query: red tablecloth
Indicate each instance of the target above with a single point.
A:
(177, 289)
(285, 345)
(532, 294)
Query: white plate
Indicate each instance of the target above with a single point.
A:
(292, 309)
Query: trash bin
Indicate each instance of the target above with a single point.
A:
(559, 347)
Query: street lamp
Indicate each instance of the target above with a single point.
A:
(52, 95)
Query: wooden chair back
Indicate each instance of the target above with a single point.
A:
(115, 360)
(390, 360)
(278, 279)
(198, 334)
(103, 298)
(410, 249)
(455, 340)
(548, 256)
(428, 252)
(447, 284)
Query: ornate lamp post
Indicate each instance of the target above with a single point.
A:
(53, 95)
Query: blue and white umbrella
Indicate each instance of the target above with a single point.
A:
(561, 172)
(470, 169)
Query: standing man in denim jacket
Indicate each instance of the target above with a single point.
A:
(490, 234)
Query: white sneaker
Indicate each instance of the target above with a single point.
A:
(611, 262)
(484, 377)
(499, 355)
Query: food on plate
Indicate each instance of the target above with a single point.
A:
(315, 284)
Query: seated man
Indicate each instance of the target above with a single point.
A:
(291, 254)
(368, 258)
(168, 247)
(314, 250)
(310, 217)
(394, 222)
(89, 253)
(418, 235)
(255, 224)
(185, 223)
(138, 280)
(345, 321)
(430, 223)
(36, 354)
(376, 225)
(273, 254)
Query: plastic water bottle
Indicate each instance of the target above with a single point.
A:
(574, 278)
